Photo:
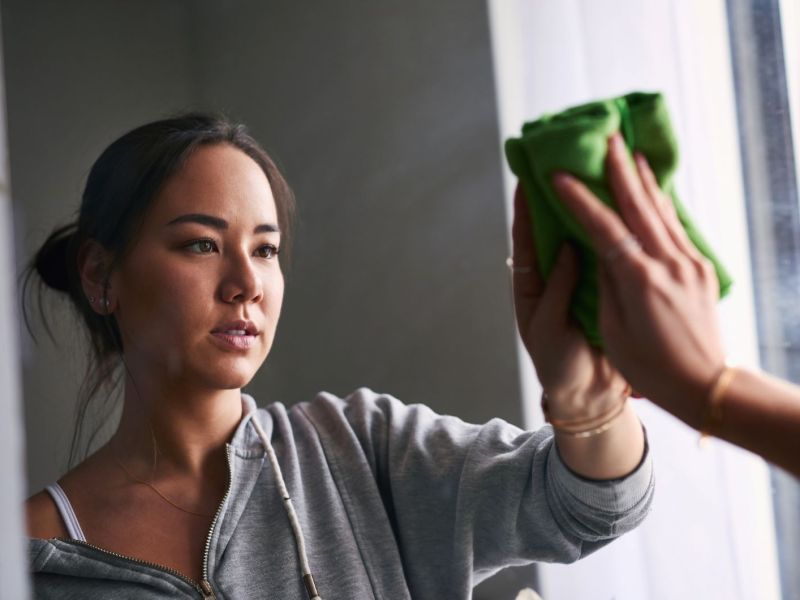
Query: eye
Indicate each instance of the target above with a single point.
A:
(201, 246)
(267, 251)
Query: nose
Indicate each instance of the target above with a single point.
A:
(241, 281)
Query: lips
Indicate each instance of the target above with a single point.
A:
(239, 327)
(236, 335)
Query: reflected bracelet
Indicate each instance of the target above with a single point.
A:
(712, 419)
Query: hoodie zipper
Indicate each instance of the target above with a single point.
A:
(203, 586)
(198, 586)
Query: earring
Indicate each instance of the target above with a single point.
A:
(91, 300)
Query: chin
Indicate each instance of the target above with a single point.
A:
(228, 379)
(223, 371)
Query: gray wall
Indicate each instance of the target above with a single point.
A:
(77, 75)
(384, 120)
(383, 117)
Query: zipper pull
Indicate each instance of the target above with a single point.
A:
(208, 593)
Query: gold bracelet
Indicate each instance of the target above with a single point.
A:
(597, 429)
(586, 427)
(715, 403)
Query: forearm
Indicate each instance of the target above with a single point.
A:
(760, 413)
(611, 454)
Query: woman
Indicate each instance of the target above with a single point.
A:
(659, 322)
(174, 266)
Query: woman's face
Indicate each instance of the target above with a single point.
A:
(199, 295)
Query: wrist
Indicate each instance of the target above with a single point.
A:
(688, 398)
(591, 426)
(582, 406)
(613, 454)
(712, 418)
(595, 417)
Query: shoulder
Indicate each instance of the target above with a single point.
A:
(374, 415)
(82, 482)
(361, 408)
(43, 518)
(362, 400)
(365, 414)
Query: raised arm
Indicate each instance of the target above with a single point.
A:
(598, 434)
(659, 323)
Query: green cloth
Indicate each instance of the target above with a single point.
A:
(575, 141)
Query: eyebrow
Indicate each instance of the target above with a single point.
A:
(217, 223)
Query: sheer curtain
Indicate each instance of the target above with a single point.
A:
(711, 531)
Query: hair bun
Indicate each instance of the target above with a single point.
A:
(51, 262)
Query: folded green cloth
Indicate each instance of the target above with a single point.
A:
(575, 141)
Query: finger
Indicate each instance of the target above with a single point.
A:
(632, 200)
(553, 309)
(606, 230)
(666, 210)
(610, 314)
(527, 281)
(610, 304)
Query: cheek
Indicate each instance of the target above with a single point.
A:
(274, 295)
(158, 300)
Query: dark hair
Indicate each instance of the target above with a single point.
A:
(120, 188)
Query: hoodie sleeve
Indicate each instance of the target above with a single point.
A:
(483, 497)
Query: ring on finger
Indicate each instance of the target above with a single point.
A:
(630, 243)
(515, 270)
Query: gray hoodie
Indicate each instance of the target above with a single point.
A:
(395, 502)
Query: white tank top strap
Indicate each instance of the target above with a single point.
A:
(67, 513)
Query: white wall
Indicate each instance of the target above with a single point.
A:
(12, 552)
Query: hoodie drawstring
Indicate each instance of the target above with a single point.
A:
(297, 530)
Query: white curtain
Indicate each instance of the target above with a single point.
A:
(710, 534)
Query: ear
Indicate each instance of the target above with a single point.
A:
(94, 268)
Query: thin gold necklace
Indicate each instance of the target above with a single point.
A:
(151, 486)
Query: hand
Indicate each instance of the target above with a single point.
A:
(657, 301)
(579, 380)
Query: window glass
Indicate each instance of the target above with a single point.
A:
(763, 49)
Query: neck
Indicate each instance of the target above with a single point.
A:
(183, 431)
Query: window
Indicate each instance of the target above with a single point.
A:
(712, 533)
(764, 53)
